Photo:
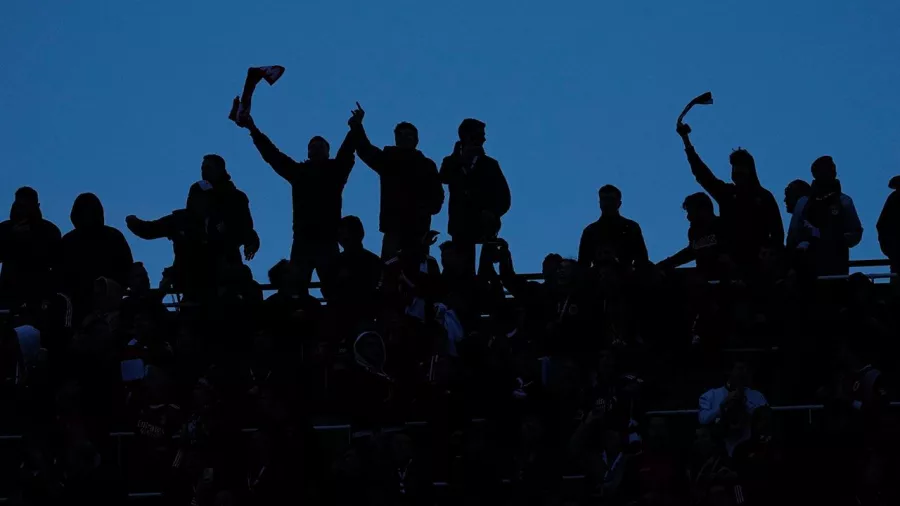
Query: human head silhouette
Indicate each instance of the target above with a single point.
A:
(471, 132)
(699, 208)
(610, 200)
(213, 169)
(318, 149)
(351, 233)
(406, 136)
(824, 169)
(743, 168)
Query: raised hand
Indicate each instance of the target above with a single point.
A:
(357, 116)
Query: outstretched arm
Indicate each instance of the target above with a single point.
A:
(149, 230)
(678, 259)
(280, 162)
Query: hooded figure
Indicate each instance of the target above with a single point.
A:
(746, 208)
(889, 225)
(28, 245)
(827, 219)
(90, 251)
(411, 191)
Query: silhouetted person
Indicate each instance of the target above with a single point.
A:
(411, 191)
(355, 273)
(207, 234)
(613, 239)
(317, 186)
(709, 239)
(90, 251)
(889, 225)
(28, 246)
(827, 219)
(479, 193)
(747, 208)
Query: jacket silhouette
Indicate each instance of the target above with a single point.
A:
(28, 245)
(613, 239)
(206, 236)
(411, 191)
(316, 187)
(92, 250)
(827, 220)
(889, 225)
(476, 186)
(748, 209)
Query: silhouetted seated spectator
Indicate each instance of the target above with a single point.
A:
(748, 210)
(889, 226)
(612, 239)
(827, 220)
(317, 185)
(28, 248)
(352, 286)
(92, 250)
(411, 191)
(479, 193)
(727, 411)
(290, 314)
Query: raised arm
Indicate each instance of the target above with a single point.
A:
(369, 154)
(344, 159)
(678, 259)
(710, 183)
(280, 162)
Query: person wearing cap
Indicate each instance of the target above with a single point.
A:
(827, 219)
(28, 244)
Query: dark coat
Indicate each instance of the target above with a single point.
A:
(474, 189)
(28, 250)
(90, 251)
(613, 238)
(316, 187)
(411, 191)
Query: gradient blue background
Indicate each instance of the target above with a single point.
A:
(124, 97)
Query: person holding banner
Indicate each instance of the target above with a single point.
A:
(317, 187)
(747, 209)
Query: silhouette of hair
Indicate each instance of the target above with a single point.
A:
(447, 246)
(319, 138)
(279, 271)
(552, 257)
(354, 226)
(27, 193)
(405, 125)
(823, 167)
(798, 188)
(216, 160)
(894, 183)
(468, 126)
(610, 189)
(699, 201)
(741, 156)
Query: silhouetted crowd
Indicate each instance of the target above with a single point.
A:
(414, 381)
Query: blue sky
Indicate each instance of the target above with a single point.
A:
(123, 98)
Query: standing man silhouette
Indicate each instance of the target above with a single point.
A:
(317, 187)
(411, 191)
(479, 193)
